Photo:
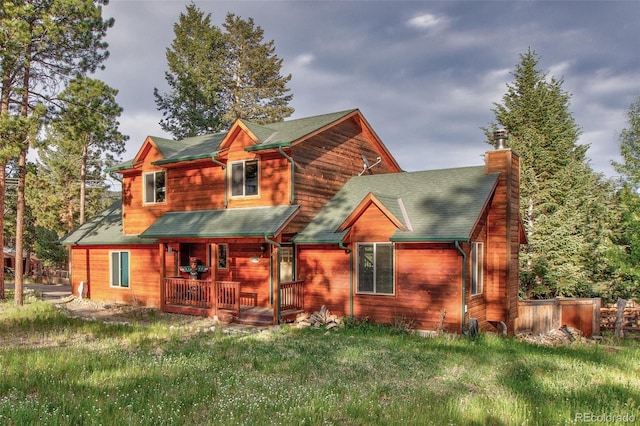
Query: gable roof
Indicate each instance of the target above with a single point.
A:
(434, 205)
(237, 222)
(104, 228)
(272, 135)
(284, 133)
(196, 148)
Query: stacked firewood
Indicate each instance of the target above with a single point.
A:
(318, 319)
(556, 337)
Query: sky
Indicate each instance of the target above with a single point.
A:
(425, 74)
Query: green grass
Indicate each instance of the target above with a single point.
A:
(58, 370)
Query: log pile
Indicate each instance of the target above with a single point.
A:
(318, 319)
(556, 337)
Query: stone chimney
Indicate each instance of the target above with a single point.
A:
(503, 235)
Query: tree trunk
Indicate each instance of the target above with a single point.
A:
(3, 187)
(22, 181)
(619, 332)
(83, 183)
(20, 210)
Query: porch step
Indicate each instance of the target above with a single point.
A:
(263, 316)
(255, 316)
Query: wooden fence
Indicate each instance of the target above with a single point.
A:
(541, 316)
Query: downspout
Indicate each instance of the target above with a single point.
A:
(277, 244)
(292, 180)
(464, 274)
(348, 250)
(226, 183)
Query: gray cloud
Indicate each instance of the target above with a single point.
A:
(424, 74)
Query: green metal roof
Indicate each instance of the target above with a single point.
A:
(272, 135)
(239, 222)
(284, 133)
(440, 205)
(196, 148)
(104, 228)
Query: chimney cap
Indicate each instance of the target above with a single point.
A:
(500, 138)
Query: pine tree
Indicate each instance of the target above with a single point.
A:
(194, 104)
(83, 140)
(257, 91)
(44, 43)
(625, 254)
(216, 76)
(559, 191)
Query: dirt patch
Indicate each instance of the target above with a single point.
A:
(118, 313)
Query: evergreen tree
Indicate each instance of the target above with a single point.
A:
(193, 105)
(559, 191)
(625, 255)
(216, 76)
(44, 43)
(83, 140)
(257, 91)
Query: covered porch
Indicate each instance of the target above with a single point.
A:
(230, 261)
(215, 298)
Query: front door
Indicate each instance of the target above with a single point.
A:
(286, 264)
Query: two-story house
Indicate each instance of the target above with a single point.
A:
(298, 214)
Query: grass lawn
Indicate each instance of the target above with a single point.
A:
(66, 371)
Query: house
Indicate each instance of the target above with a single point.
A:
(298, 214)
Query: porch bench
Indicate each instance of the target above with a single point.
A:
(248, 298)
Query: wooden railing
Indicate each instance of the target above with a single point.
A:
(292, 295)
(190, 296)
(196, 293)
(228, 295)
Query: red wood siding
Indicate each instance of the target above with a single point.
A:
(326, 274)
(326, 161)
(372, 226)
(426, 277)
(92, 264)
(428, 280)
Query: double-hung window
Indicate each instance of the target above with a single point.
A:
(119, 269)
(477, 256)
(154, 187)
(375, 268)
(244, 178)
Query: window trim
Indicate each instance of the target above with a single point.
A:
(128, 272)
(477, 268)
(244, 178)
(375, 245)
(155, 193)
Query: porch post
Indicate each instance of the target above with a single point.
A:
(163, 270)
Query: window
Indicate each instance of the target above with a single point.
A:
(375, 268)
(222, 256)
(476, 267)
(120, 269)
(154, 187)
(244, 178)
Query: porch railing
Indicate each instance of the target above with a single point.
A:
(228, 295)
(185, 294)
(196, 293)
(292, 295)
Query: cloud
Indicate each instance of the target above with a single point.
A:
(427, 21)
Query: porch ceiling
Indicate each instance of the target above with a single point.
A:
(239, 222)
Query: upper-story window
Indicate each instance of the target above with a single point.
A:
(154, 187)
(244, 178)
